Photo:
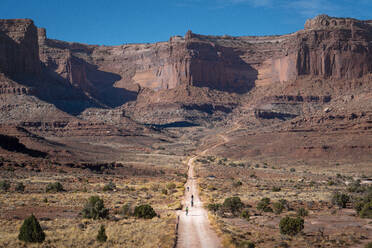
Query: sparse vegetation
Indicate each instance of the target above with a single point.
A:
(291, 226)
(126, 210)
(369, 245)
(214, 207)
(54, 187)
(278, 207)
(366, 211)
(144, 211)
(245, 214)
(233, 205)
(4, 185)
(109, 187)
(20, 187)
(302, 212)
(101, 236)
(264, 205)
(340, 199)
(95, 208)
(31, 231)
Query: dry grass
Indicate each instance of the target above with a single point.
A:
(60, 217)
(305, 186)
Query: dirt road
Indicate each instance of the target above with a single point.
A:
(194, 229)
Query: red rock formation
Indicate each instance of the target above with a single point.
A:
(19, 50)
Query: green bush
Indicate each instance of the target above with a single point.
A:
(101, 236)
(31, 231)
(278, 207)
(245, 214)
(95, 208)
(369, 245)
(292, 170)
(366, 211)
(20, 187)
(340, 199)
(54, 187)
(301, 212)
(356, 187)
(291, 226)
(4, 185)
(109, 187)
(276, 189)
(264, 205)
(144, 211)
(233, 205)
(171, 186)
(214, 207)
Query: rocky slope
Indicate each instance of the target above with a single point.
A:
(303, 80)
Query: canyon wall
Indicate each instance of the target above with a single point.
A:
(19, 50)
(75, 76)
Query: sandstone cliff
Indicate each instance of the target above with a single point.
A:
(75, 77)
(19, 50)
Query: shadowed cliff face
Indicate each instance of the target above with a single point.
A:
(75, 76)
(19, 50)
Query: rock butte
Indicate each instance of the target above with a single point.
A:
(48, 84)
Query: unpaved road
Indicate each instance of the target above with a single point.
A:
(194, 229)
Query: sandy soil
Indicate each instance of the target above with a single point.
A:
(194, 229)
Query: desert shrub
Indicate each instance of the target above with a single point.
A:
(369, 245)
(264, 205)
(340, 199)
(356, 187)
(302, 212)
(126, 210)
(237, 184)
(95, 208)
(245, 214)
(109, 186)
(4, 185)
(54, 187)
(283, 245)
(366, 211)
(20, 187)
(101, 236)
(214, 207)
(164, 191)
(155, 187)
(144, 211)
(246, 244)
(31, 231)
(233, 205)
(278, 207)
(291, 226)
(171, 186)
(276, 189)
(292, 170)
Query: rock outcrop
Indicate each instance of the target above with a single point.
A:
(19, 50)
(75, 77)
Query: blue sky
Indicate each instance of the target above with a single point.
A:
(113, 22)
